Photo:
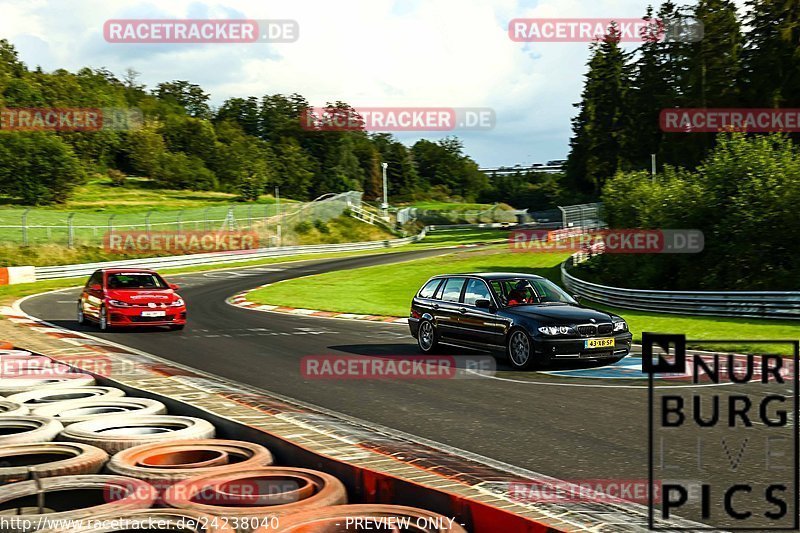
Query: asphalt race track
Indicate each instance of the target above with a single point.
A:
(559, 425)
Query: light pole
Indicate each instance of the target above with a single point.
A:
(653, 166)
(278, 214)
(385, 204)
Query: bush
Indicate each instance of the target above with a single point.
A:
(303, 227)
(180, 171)
(743, 197)
(117, 178)
(38, 168)
(321, 226)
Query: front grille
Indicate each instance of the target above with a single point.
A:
(589, 330)
(151, 318)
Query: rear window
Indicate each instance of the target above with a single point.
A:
(135, 280)
(430, 288)
(452, 289)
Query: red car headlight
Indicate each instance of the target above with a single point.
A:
(117, 303)
(178, 303)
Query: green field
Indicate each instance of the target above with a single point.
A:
(387, 290)
(94, 203)
(9, 293)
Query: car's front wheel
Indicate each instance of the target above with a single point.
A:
(520, 350)
(79, 315)
(426, 337)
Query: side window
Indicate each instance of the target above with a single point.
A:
(452, 289)
(498, 290)
(476, 290)
(430, 288)
(96, 279)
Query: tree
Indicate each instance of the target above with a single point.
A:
(294, 169)
(37, 167)
(188, 96)
(771, 55)
(597, 130)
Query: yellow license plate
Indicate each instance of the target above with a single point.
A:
(599, 343)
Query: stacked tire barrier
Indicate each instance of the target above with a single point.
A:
(76, 456)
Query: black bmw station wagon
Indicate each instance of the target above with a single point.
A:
(527, 317)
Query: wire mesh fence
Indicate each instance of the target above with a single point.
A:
(30, 227)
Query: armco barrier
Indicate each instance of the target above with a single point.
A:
(19, 274)
(750, 304)
(71, 271)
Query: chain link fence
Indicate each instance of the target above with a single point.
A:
(271, 222)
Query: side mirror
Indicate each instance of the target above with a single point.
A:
(483, 303)
(96, 287)
(577, 297)
(173, 287)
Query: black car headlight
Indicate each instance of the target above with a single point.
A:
(620, 327)
(556, 330)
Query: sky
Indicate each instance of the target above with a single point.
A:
(369, 53)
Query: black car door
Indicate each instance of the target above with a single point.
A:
(447, 309)
(479, 325)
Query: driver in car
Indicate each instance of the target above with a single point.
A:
(520, 294)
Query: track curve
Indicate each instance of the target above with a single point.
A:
(567, 432)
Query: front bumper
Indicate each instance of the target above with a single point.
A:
(132, 317)
(413, 325)
(574, 348)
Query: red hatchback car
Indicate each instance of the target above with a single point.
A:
(130, 297)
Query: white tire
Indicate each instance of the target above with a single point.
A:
(36, 398)
(101, 496)
(73, 411)
(39, 380)
(114, 435)
(28, 428)
(10, 408)
(49, 459)
(17, 353)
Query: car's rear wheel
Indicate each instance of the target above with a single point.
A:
(426, 337)
(102, 321)
(79, 316)
(520, 350)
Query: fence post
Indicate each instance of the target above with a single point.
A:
(147, 223)
(70, 233)
(250, 216)
(278, 213)
(25, 227)
(179, 221)
(205, 218)
(111, 225)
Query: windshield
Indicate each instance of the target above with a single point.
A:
(530, 291)
(136, 281)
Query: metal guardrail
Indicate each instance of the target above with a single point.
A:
(174, 261)
(744, 304)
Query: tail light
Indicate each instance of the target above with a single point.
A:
(415, 313)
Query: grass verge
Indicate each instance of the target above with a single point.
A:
(388, 289)
(10, 293)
